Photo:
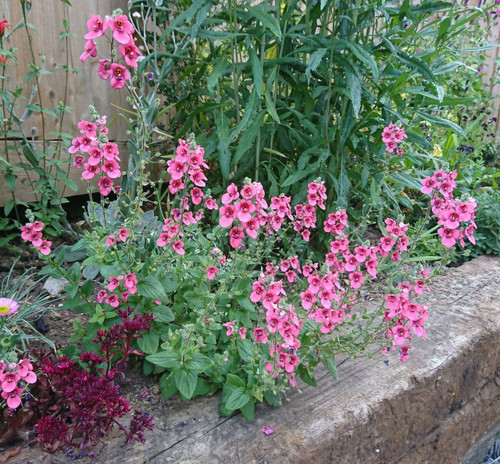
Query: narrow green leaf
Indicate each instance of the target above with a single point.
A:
(271, 109)
(354, 84)
(416, 64)
(315, 61)
(442, 122)
(257, 71)
(298, 175)
(361, 54)
(216, 73)
(266, 19)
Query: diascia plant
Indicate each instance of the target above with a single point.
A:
(242, 302)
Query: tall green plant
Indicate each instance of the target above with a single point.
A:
(296, 89)
(35, 152)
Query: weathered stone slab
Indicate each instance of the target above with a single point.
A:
(431, 409)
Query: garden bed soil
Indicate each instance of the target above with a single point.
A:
(430, 409)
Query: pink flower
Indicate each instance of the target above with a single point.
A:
(356, 279)
(122, 28)
(227, 215)
(95, 26)
(9, 381)
(229, 327)
(44, 247)
(119, 75)
(236, 236)
(112, 169)
(130, 282)
(448, 236)
(123, 234)
(211, 271)
(130, 53)
(104, 70)
(178, 247)
(113, 300)
(267, 430)
(105, 184)
(260, 335)
(13, 397)
(110, 240)
(90, 50)
(243, 333)
(8, 306)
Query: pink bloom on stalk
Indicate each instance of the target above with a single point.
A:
(78, 161)
(90, 50)
(122, 28)
(113, 300)
(8, 381)
(88, 128)
(210, 203)
(356, 279)
(95, 26)
(251, 227)
(90, 171)
(130, 53)
(13, 397)
(386, 243)
(229, 327)
(101, 296)
(130, 282)
(260, 335)
(105, 184)
(110, 151)
(244, 209)
(110, 240)
(308, 299)
(400, 334)
(236, 236)
(228, 214)
(25, 370)
(178, 247)
(44, 247)
(211, 271)
(95, 156)
(243, 333)
(104, 70)
(123, 234)
(112, 169)
(404, 353)
(198, 178)
(230, 195)
(448, 236)
(114, 282)
(428, 185)
(119, 75)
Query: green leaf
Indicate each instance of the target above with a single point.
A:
(331, 366)
(199, 363)
(237, 399)
(442, 122)
(257, 71)
(168, 359)
(10, 180)
(405, 180)
(167, 385)
(315, 61)
(267, 20)
(216, 73)
(163, 314)
(245, 349)
(271, 108)
(298, 175)
(248, 410)
(361, 54)
(151, 287)
(416, 64)
(149, 342)
(233, 381)
(248, 137)
(354, 84)
(185, 382)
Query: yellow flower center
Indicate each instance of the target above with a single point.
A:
(4, 310)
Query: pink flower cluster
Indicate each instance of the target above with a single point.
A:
(406, 314)
(392, 136)
(188, 161)
(102, 155)
(127, 285)
(122, 32)
(10, 375)
(246, 208)
(282, 323)
(32, 232)
(327, 289)
(453, 215)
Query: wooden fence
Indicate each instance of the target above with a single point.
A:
(50, 52)
(79, 92)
